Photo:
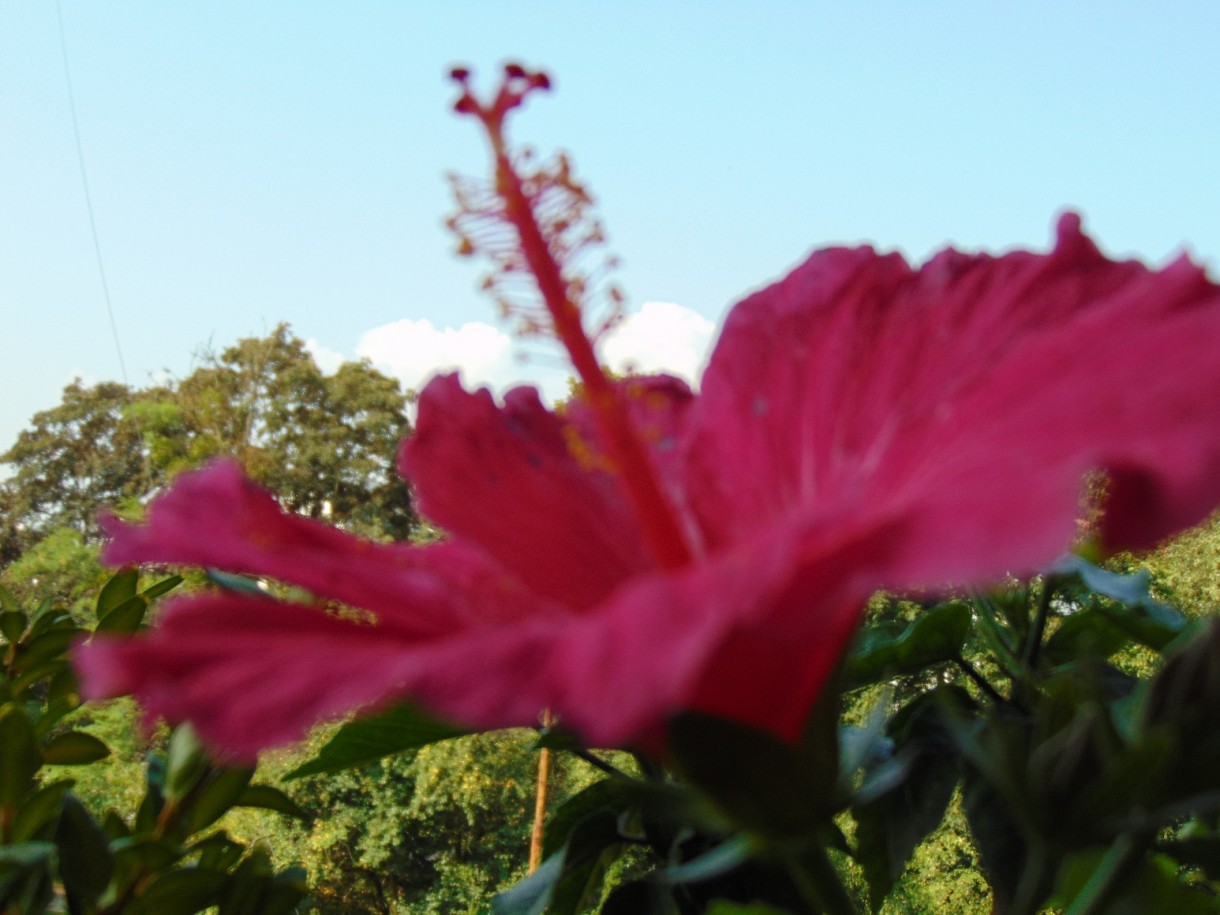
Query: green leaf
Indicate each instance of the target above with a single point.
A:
(243, 893)
(531, 895)
(85, 862)
(47, 617)
(819, 747)
(7, 600)
(115, 826)
(119, 589)
(266, 797)
(51, 644)
(1129, 782)
(1088, 632)
(641, 897)
(26, 854)
(609, 794)
(366, 740)
(557, 738)
(892, 822)
(1144, 618)
(760, 783)
(725, 857)
(216, 796)
(568, 880)
(935, 637)
(26, 882)
(1202, 852)
(54, 712)
(144, 853)
(73, 748)
(125, 618)
(187, 761)
(63, 686)
(39, 812)
(283, 892)
(253, 888)
(40, 671)
(153, 801)
(592, 847)
(1003, 853)
(1108, 881)
(868, 745)
(724, 907)
(180, 892)
(218, 852)
(164, 586)
(19, 756)
(12, 625)
(1125, 588)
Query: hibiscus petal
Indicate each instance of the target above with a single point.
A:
(970, 396)
(658, 406)
(752, 634)
(513, 481)
(252, 672)
(861, 425)
(216, 517)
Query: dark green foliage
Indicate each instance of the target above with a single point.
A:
(916, 786)
(161, 857)
(889, 650)
(1064, 759)
(1014, 728)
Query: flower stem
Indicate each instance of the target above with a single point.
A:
(1033, 640)
(539, 250)
(540, 799)
(598, 763)
(979, 680)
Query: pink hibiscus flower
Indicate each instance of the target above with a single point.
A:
(862, 424)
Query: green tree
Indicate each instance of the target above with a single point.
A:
(434, 831)
(10, 533)
(75, 457)
(63, 564)
(1186, 569)
(326, 444)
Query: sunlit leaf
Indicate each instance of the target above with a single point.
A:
(73, 748)
(366, 740)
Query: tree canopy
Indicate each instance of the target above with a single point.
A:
(326, 443)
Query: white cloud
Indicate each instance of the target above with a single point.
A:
(328, 360)
(414, 351)
(660, 337)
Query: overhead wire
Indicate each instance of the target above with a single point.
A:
(84, 177)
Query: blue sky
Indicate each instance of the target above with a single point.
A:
(258, 162)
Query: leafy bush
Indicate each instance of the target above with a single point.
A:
(164, 856)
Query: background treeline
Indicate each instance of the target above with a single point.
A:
(325, 443)
(439, 830)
